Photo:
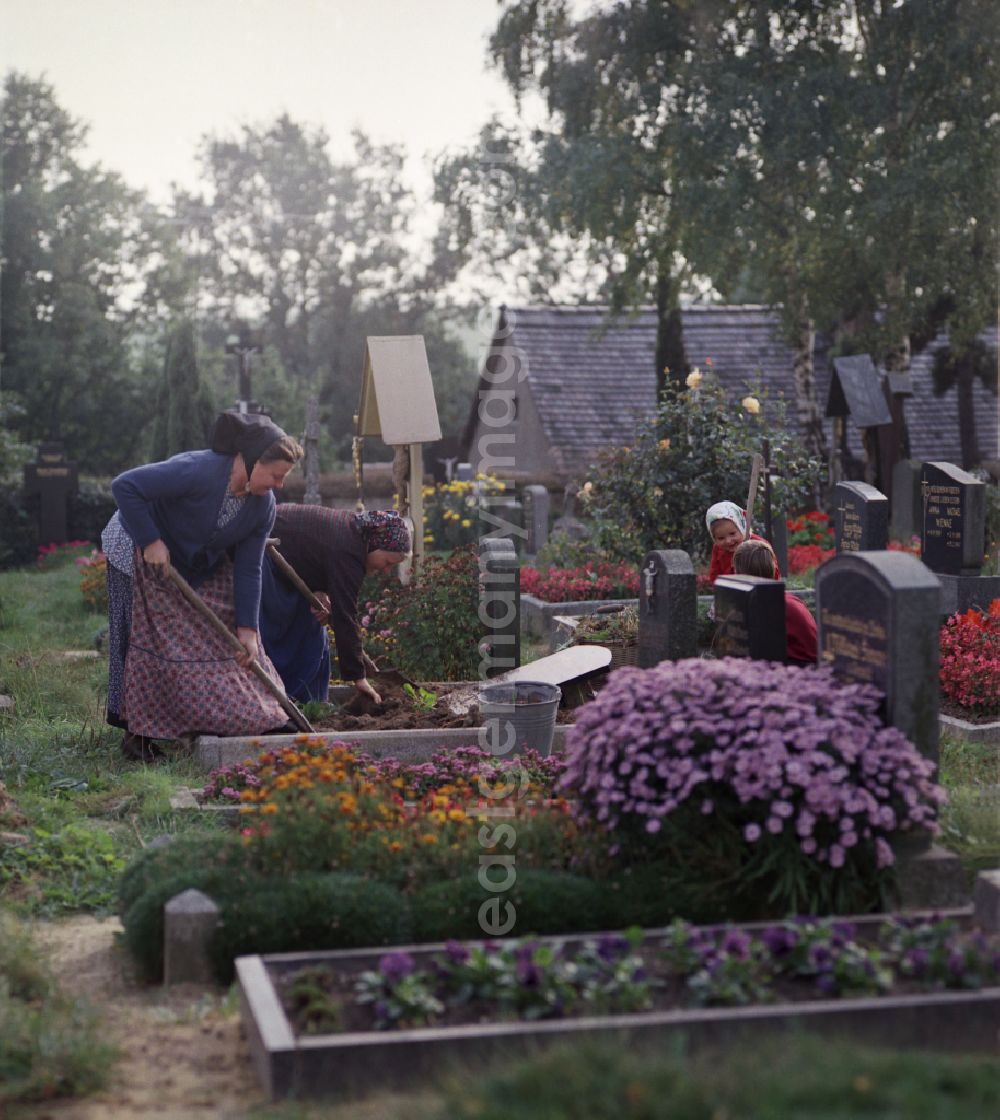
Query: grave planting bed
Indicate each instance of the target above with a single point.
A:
(291, 1065)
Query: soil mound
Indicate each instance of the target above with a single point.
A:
(398, 711)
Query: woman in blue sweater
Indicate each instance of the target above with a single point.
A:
(207, 513)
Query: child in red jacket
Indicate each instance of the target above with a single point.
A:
(727, 524)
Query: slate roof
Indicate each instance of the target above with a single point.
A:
(590, 387)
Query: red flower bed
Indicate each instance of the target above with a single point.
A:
(970, 660)
(572, 585)
(804, 557)
(814, 529)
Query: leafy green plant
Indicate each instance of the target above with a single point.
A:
(605, 626)
(429, 628)
(423, 699)
(50, 1042)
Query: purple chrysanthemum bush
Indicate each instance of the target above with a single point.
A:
(771, 788)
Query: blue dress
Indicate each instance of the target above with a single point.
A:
(296, 643)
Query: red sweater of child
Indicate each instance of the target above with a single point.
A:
(722, 562)
(800, 630)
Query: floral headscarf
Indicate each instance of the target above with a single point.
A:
(384, 529)
(726, 511)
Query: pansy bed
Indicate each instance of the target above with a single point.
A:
(330, 1023)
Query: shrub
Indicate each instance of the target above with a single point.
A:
(429, 628)
(771, 778)
(543, 902)
(19, 536)
(970, 660)
(695, 451)
(308, 911)
(451, 511)
(89, 510)
(599, 580)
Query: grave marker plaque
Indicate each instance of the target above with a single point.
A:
(668, 608)
(53, 479)
(750, 618)
(907, 504)
(862, 517)
(954, 520)
(877, 623)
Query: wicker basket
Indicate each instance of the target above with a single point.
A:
(622, 652)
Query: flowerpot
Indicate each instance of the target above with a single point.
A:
(526, 711)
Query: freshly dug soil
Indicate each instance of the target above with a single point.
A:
(397, 712)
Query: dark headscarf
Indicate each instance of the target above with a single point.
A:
(248, 434)
(384, 529)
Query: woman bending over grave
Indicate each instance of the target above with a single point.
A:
(331, 551)
(207, 514)
(727, 525)
(755, 558)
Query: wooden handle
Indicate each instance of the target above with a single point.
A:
(223, 630)
(293, 576)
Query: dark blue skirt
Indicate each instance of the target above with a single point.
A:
(295, 642)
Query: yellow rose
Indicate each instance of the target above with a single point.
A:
(751, 404)
(693, 378)
(664, 445)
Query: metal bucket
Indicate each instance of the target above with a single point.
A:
(525, 712)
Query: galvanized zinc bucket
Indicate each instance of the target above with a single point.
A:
(525, 712)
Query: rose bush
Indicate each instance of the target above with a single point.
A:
(774, 781)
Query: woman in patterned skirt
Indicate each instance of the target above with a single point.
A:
(208, 513)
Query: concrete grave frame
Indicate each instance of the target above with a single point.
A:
(334, 1064)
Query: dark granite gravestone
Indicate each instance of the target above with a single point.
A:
(464, 472)
(54, 480)
(862, 517)
(499, 606)
(668, 608)
(907, 513)
(537, 505)
(954, 537)
(750, 618)
(877, 622)
(954, 521)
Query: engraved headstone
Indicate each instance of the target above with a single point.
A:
(862, 517)
(668, 608)
(53, 479)
(750, 618)
(537, 506)
(877, 622)
(499, 606)
(954, 521)
(907, 515)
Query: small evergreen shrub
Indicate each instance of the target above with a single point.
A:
(89, 510)
(312, 910)
(543, 902)
(18, 528)
(772, 779)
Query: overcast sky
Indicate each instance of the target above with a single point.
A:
(151, 77)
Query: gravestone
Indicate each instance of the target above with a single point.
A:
(54, 480)
(189, 923)
(668, 608)
(856, 390)
(907, 512)
(499, 606)
(537, 506)
(464, 472)
(954, 535)
(568, 524)
(312, 495)
(503, 516)
(877, 622)
(862, 518)
(750, 618)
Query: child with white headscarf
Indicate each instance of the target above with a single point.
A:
(727, 524)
